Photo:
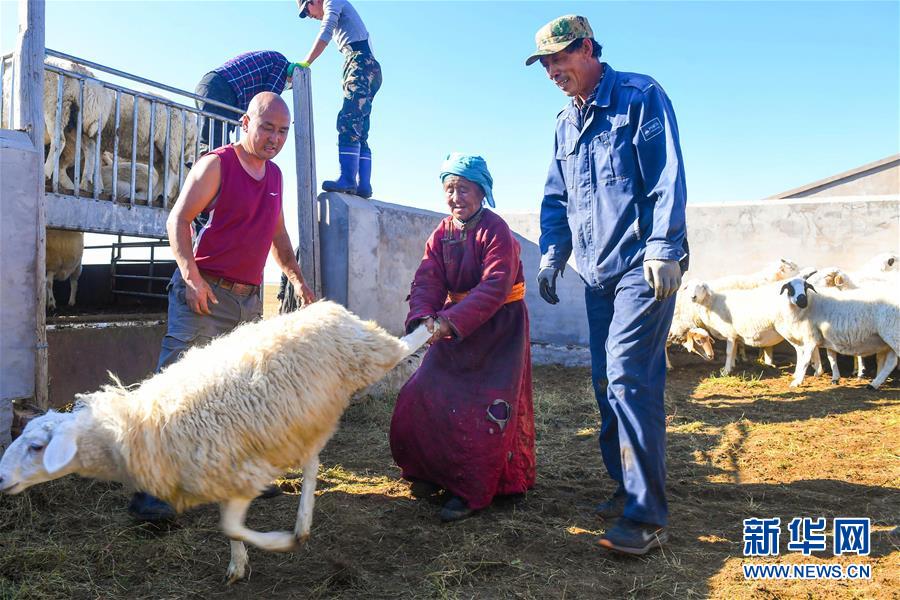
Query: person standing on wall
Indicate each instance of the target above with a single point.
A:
(615, 194)
(361, 81)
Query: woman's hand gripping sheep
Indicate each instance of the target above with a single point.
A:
(438, 329)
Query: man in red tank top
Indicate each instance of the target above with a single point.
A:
(216, 286)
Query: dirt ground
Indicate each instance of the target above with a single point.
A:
(738, 447)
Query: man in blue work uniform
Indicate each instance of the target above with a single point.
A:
(615, 194)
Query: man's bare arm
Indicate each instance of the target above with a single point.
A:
(199, 190)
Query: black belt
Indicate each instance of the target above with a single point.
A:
(360, 46)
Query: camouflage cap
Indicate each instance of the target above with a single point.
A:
(559, 33)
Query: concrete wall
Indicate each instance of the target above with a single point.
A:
(19, 164)
(370, 250)
(843, 232)
(881, 179)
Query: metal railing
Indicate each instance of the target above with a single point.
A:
(123, 143)
(152, 277)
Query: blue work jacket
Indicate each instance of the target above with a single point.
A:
(615, 192)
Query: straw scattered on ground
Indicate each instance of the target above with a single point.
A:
(739, 447)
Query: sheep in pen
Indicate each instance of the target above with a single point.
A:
(106, 141)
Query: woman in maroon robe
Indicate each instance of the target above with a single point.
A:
(464, 422)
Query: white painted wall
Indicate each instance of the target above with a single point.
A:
(371, 250)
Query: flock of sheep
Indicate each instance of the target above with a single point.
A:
(855, 313)
(172, 141)
(230, 417)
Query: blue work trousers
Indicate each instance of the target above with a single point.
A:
(628, 329)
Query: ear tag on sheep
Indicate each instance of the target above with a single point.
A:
(60, 451)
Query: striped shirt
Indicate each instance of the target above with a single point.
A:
(342, 21)
(254, 72)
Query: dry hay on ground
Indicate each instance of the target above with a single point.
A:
(739, 447)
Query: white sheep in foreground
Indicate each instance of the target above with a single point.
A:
(853, 322)
(222, 422)
(63, 259)
(142, 174)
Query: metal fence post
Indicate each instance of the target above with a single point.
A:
(307, 206)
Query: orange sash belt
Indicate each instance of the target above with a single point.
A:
(515, 294)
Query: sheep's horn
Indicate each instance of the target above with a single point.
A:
(784, 288)
(810, 274)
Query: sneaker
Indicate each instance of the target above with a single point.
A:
(613, 506)
(633, 537)
(150, 509)
(423, 489)
(455, 509)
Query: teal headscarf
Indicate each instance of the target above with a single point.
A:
(473, 168)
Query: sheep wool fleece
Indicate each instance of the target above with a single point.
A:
(229, 417)
(465, 419)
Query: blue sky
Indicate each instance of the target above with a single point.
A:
(768, 95)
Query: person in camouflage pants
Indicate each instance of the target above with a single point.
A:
(362, 79)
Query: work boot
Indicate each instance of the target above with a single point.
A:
(150, 509)
(633, 537)
(455, 509)
(423, 489)
(364, 189)
(348, 156)
(613, 506)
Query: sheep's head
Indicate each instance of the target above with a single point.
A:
(698, 291)
(883, 263)
(796, 290)
(834, 278)
(698, 341)
(785, 268)
(46, 450)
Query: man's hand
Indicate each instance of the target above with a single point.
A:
(664, 276)
(547, 284)
(438, 329)
(305, 296)
(198, 295)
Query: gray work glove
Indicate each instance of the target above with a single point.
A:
(546, 280)
(664, 276)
